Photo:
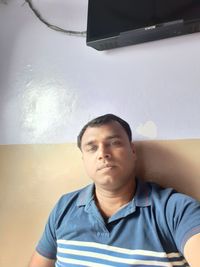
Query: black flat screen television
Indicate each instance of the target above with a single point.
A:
(116, 23)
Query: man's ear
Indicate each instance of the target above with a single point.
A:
(133, 148)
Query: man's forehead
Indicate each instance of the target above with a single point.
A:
(108, 130)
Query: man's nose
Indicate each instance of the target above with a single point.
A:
(104, 152)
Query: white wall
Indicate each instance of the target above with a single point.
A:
(51, 83)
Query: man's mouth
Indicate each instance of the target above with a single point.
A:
(107, 166)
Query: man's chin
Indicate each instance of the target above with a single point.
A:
(112, 183)
(108, 184)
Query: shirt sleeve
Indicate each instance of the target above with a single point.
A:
(47, 246)
(183, 215)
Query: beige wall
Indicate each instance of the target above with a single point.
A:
(32, 177)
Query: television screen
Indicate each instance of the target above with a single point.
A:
(111, 17)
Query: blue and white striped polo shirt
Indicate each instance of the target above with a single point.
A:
(150, 231)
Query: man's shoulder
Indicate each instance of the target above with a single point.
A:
(161, 195)
(74, 196)
(68, 204)
(153, 190)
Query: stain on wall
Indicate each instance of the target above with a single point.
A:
(148, 130)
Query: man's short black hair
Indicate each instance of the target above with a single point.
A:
(105, 119)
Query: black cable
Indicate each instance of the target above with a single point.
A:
(54, 27)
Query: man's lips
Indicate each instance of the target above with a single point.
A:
(107, 166)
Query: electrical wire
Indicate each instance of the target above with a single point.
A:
(53, 27)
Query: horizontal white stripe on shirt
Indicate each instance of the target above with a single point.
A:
(84, 255)
(119, 250)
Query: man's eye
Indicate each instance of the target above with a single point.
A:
(116, 143)
(92, 148)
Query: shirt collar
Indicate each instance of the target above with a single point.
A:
(86, 195)
(142, 196)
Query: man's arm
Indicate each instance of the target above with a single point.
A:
(192, 251)
(39, 261)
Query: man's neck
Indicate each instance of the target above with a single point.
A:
(109, 201)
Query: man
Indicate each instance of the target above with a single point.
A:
(119, 220)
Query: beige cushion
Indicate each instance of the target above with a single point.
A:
(32, 177)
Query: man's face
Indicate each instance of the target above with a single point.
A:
(108, 156)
